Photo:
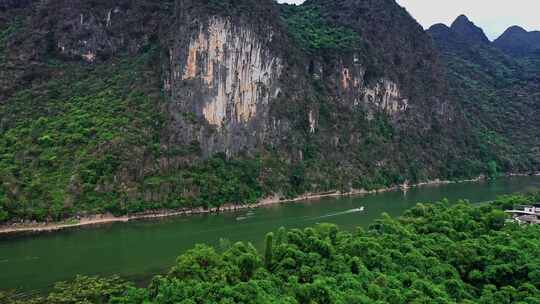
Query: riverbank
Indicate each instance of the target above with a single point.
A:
(101, 219)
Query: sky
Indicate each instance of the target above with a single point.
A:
(494, 16)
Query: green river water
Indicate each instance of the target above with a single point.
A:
(139, 249)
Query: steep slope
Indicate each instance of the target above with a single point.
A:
(499, 95)
(468, 31)
(137, 104)
(517, 41)
(393, 51)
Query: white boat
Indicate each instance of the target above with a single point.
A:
(357, 209)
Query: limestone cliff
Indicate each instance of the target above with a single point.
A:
(227, 74)
(187, 103)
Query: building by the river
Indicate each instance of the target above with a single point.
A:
(526, 214)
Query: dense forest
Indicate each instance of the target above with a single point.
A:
(142, 106)
(434, 253)
(498, 89)
(138, 106)
(93, 123)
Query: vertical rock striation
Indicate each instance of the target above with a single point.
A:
(232, 64)
(223, 71)
(332, 95)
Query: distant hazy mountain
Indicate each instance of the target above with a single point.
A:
(517, 41)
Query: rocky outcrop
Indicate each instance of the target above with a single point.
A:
(100, 31)
(232, 64)
(392, 66)
(233, 81)
(225, 71)
(88, 30)
(72, 30)
(382, 95)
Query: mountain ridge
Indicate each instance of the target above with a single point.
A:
(498, 92)
(518, 41)
(468, 30)
(140, 105)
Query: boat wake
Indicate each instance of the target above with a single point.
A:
(355, 210)
(248, 215)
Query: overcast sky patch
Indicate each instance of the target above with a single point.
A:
(494, 16)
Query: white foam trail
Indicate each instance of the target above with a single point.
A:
(341, 213)
(248, 215)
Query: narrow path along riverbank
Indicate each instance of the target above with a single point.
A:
(107, 218)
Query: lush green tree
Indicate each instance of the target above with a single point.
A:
(433, 253)
(268, 250)
(492, 169)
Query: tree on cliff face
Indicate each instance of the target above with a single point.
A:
(150, 105)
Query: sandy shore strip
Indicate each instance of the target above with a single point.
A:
(107, 218)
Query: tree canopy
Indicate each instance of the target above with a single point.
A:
(433, 253)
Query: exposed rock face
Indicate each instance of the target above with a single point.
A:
(381, 95)
(233, 62)
(231, 71)
(236, 79)
(100, 31)
(90, 31)
(225, 71)
(387, 96)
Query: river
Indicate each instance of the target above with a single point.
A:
(137, 250)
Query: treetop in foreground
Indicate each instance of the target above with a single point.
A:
(433, 253)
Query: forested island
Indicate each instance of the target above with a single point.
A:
(433, 253)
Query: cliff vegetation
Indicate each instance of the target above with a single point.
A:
(140, 106)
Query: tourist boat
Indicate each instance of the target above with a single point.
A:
(529, 214)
